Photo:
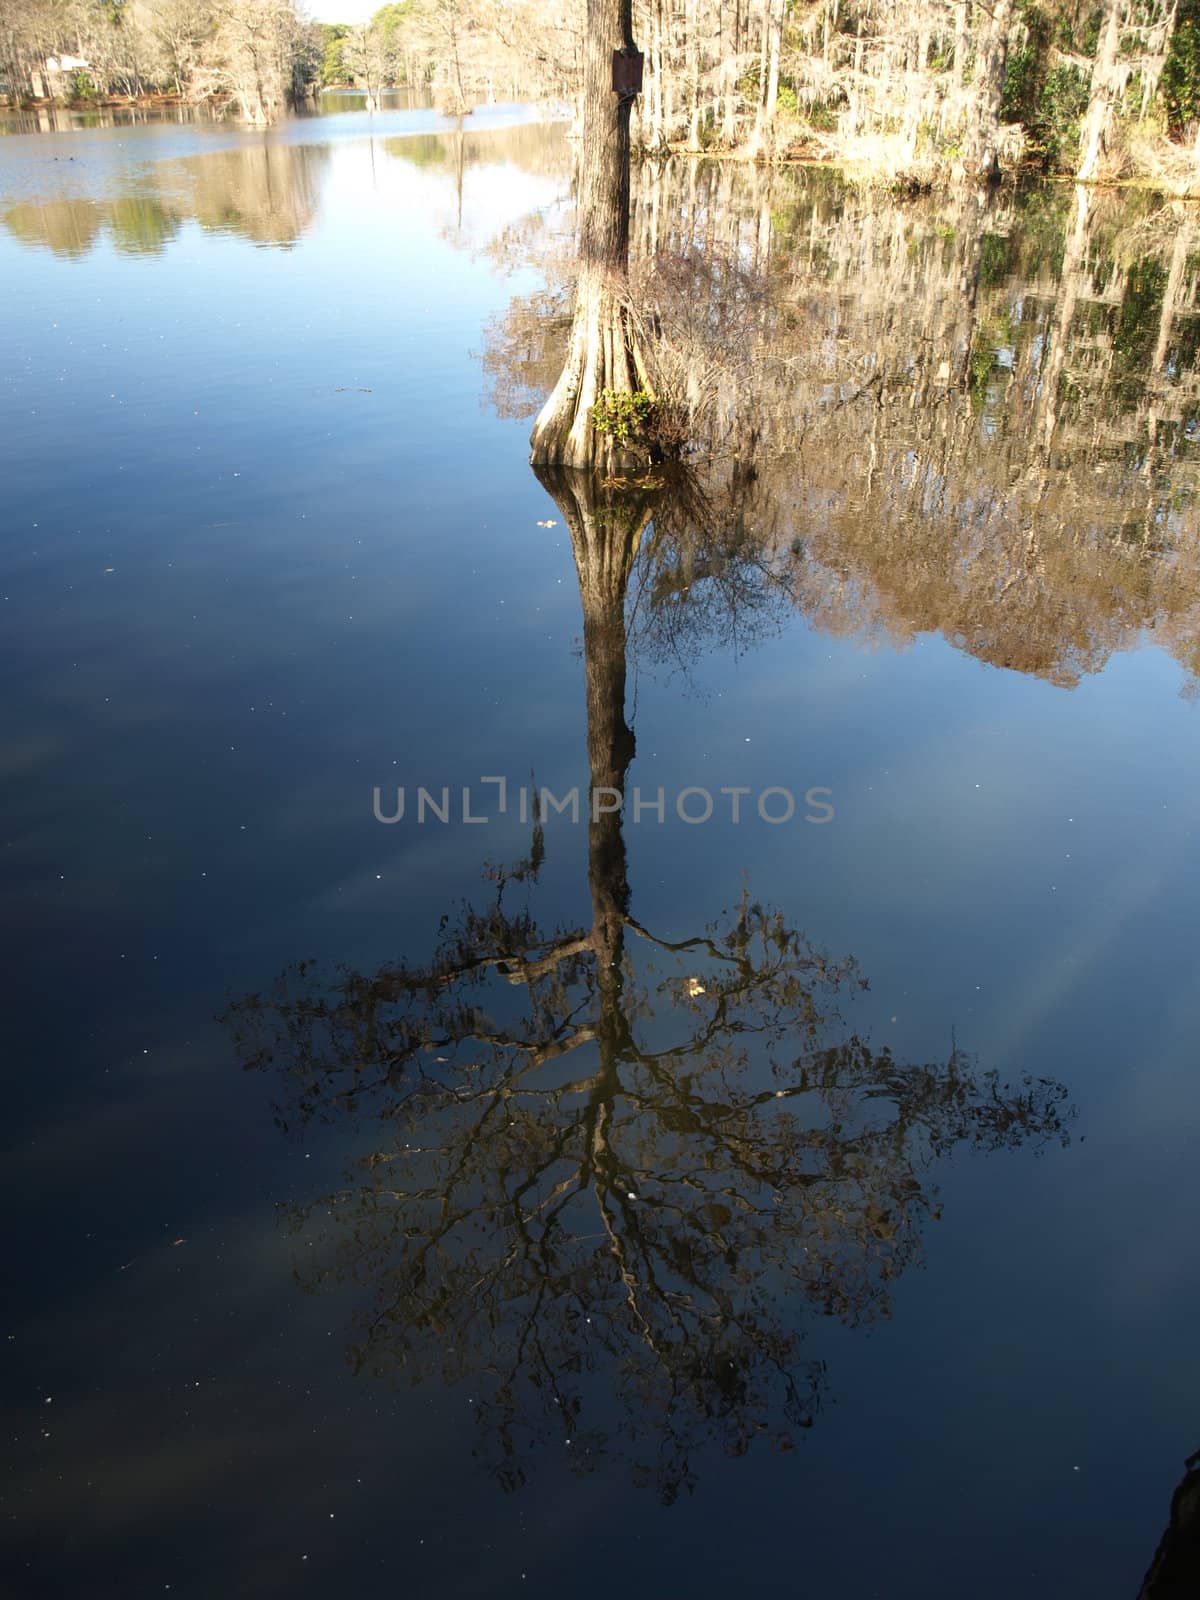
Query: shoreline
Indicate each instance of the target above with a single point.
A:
(924, 183)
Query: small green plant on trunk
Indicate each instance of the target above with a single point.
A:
(624, 415)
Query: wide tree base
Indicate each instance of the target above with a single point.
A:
(604, 358)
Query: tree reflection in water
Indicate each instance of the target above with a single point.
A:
(266, 193)
(965, 417)
(612, 1176)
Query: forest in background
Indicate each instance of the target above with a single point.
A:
(920, 91)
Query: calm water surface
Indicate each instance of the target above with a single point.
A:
(575, 1216)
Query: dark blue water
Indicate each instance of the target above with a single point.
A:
(266, 547)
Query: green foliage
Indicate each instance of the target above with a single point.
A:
(786, 101)
(1180, 81)
(140, 225)
(994, 333)
(1080, 39)
(997, 253)
(1184, 347)
(749, 85)
(333, 39)
(980, 363)
(1025, 72)
(822, 116)
(1137, 327)
(1048, 100)
(1064, 101)
(389, 19)
(624, 416)
(80, 87)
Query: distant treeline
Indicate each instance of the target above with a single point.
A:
(260, 54)
(916, 89)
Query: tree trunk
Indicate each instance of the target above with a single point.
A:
(987, 88)
(1179, 256)
(693, 60)
(772, 42)
(1054, 358)
(962, 42)
(603, 352)
(660, 80)
(1095, 123)
(729, 122)
(606, 525)
(666, 72)
(772, 100)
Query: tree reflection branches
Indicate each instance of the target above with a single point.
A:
(611, 1176)
(266, 193)
(646, 1175)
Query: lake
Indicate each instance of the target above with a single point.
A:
(636, 1038)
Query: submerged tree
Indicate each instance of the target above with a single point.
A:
(610, 1174)
(368, 50)
(264, 54)
(1009, 462)
(585, 422)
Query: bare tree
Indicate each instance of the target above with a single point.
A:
(261, 54)
(604, 363)
(369, 51)
(182, 29)
(653, 1170)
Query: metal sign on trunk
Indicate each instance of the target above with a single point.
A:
(627, 73)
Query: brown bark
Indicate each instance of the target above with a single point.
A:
(603, 351)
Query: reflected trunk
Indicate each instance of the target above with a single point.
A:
(606, 525)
